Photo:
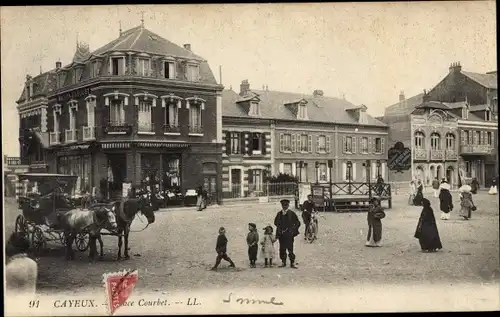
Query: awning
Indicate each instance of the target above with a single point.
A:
(115, 145)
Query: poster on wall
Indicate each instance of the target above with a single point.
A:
(125, 188)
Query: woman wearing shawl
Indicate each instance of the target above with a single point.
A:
(413, 191)
(445, 201)
(466, 203)
(375, 215)
(419, 195)
(427, 232)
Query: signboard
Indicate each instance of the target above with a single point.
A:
(125, 188)
(318, 197)
(75, 94)
(399, 158)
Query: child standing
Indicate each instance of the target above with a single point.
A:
(253, 243)
(268, 246)
(221, 249)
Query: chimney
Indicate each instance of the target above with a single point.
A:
(187, 46)
(58, 64)
(401, 96)
(318, 93)
(244, 87)
(455, 67)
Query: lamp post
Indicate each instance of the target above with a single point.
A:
(367, 166)
(330, 189)
(301, 165)
(378, 169)
(349, 169)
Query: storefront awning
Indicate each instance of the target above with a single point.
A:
(163, 144)
(116, 145)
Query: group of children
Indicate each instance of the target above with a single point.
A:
(267, 245)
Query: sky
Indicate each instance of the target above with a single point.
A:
(366, 52)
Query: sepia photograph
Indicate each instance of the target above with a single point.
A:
(250, 158)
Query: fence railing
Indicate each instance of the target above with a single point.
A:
(259, 190)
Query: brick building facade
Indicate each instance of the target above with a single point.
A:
(138, 106)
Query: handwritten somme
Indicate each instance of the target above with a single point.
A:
(242, 300)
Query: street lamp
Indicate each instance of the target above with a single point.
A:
(367, 166)
(330, 189)
(378, 169)
(301, 165)
(349, 175)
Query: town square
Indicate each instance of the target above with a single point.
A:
(173, 150)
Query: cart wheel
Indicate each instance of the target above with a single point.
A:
(21, 225)
(38, 241)
(82, 241)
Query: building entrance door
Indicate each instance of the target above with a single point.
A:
(449, 176)
(236, 183)
(116, 174)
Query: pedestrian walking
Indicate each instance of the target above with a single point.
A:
(466, 203)
(445, 201)
(427, 232)
(221, 249)
(493, 188)
(435, 187)
(200, 201)
(379, 186)
(474, 185)
(287, 228)
(413, 191)
(253, 243)
(375, 215)
(268, 246)
(308, 208)
(419, 195)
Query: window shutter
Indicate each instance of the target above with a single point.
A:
(327, 144)
(263, 143)
(327, 172)
(109, 66)
(317, 143)
(294, 141)
(383, 170)
(382, 145)
(462, 135)
(344, 145)
(250, 176)
(354, 144)
(309, 143)
(370, 142)
(124, 65)
(250, 142)
(282, 143)
(354, 171)
(492, 138)
(294, 168)
(374, 170)
(344, 171)
(162, 68)
(483, 137)
(281, 168)
(228, 143)
(242, 143)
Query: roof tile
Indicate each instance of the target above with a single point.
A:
(488, 80)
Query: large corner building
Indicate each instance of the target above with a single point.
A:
(138, 106)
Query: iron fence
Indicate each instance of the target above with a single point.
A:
(260, 190)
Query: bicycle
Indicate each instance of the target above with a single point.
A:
(312, 232)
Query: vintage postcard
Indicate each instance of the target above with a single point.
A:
(250, 158)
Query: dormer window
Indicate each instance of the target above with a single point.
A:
(77, 75)
(169, 69)
(465, 112)
(117, 65)
(94, 69)
(254, 109)
(487, 115)
(143, 66)
(60, 80)
(302, 111)
(192, 72)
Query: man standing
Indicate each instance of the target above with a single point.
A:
(307, 209)
(287, 228)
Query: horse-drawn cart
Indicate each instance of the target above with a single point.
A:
(47, 195)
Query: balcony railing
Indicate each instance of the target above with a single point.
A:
(451, 154)
(146, 127)
(196, 129)
(420, 154)
(71, 136)
(436, 154)
(171, 128)
(88, 133)
(54, 138)
(114, 127)
(476, 149)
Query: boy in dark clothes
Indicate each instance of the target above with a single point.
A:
(221, 249)
(253, 243)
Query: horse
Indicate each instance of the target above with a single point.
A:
(125, 214)
(86, 220)
(20, 272)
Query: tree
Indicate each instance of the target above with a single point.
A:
(282, 178)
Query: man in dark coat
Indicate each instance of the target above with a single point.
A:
(287, 228)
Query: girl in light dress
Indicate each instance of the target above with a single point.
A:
(268, 246)
(493, 188)
(413, 191)
(466, 203)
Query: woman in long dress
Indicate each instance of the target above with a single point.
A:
(374, 224)
(413, 191)
(466, 203)
(445, 201)
(474, 186)
(419, 195)
(493, 188)
(427, 232)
